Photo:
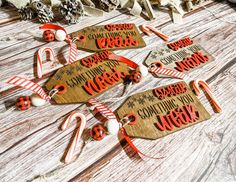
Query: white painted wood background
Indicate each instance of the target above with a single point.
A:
(31, 145)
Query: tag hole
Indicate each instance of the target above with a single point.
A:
(131, 119)
(82, 38)
(61, 88)
(158, 64)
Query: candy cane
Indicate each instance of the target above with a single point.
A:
(157, 68)
(102, 109)
(41, 51)
(73, 47)
(29, 85)
(148, 29)
(65, 125)
(213, 101)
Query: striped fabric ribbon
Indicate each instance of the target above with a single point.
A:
(157, 68)
(41, 51)
(71, 59)
(102, 109)
(29, 85)
(69, 40)
(106, 112)
(70, 153)
(212, 99)
(73, 51)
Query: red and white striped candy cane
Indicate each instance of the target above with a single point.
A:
(29, 85)
(102, 109)
(148, 29)
(157, 68)
(69, 40)
(41, 51)
(213, 101)
(70, 153)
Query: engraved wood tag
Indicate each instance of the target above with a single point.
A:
(86, 78)
(162, 111)
(109, 37)
(183, 55)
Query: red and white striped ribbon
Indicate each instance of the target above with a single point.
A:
(148, 29)
(102, 109)
(41, 51)
(154, 69)
(110, 115)
(213, 101)
(29, 85)
(72, 56)
(73, 51)
(70, 153)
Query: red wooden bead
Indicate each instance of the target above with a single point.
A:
(48, 36)
(98, 132)
(23, 103)
(135, 76)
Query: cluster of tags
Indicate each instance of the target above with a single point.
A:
(152, 114)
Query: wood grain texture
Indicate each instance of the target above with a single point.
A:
(32, 145)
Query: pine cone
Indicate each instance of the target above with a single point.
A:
(72, 11)
(27, 13)
(108, 5)
(2, 2)
(43, 11)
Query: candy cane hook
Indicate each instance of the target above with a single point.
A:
(41, 51)
(213, 101)
(147, 29)
(65, 125)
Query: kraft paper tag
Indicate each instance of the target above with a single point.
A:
(87, 78)
(162, 111)
(183, 55)
(109, 37)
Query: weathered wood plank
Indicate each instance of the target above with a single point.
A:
(205, 152)
(24, 51)
(41, 144)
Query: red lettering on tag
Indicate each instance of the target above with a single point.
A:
(180, 43)
(191, 62)
(171, 90)
(113, 27)
(178, 117)
(112, 42)
(101, 82)
(95, 59)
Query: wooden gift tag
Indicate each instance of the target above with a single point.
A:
(162, 111)
(109, 37)
(183, 55)
(87, 78)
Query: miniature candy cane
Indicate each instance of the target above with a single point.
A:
(29, 85)
(157, 68)
(65, 125)
(148, 29)
(41, 51)
(59, 31)
(213, 101)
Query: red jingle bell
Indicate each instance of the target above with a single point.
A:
(135, 76)
(98, 132)
(48, 36)
(23, 103)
